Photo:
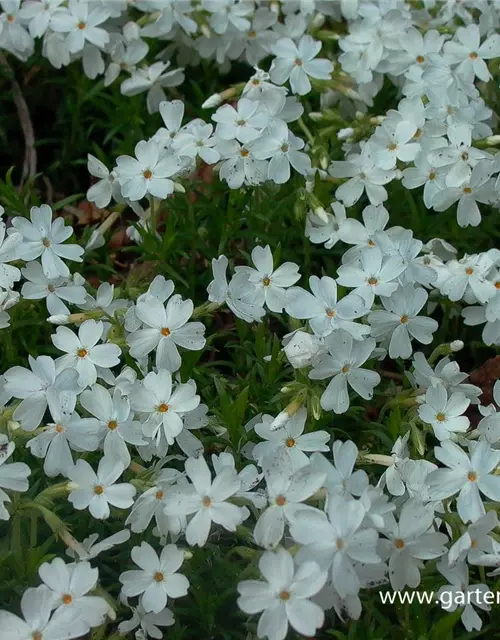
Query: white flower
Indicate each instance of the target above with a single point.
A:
(10, 250)
(13, 476)
(238, 294)
(148, 622)
(38, 388)
(70, 584)
(344, 362)
(336, 540)
(165, 405)
(446, 373)
(364, 175)
(149, 174)
(394, 141)
(324, 312)
(289, 439)
(400, 322)
(166, 327)
(44, 238)
(372, 275)
(115, 420)
(54, 290)
(468, 278)
(460, 593)
(81, 25)
(340, 476)
(243, 123)
(36, 607)
(285, 596)
(478, 188)
(283, 148)
(410, 541)
(444, 413)
(151, 504)
(83, 353)
(326, 230)
(8, 299)
(197, 141)
(106, 187)
(152, 79)
(466, 51)
(270, 284)
(158, 579)
(296, 63)
(475, 543)
(287, 488)
(228, 12)
(96, 490)
(91, 548)
(207, 499)
(240, 165)
(53, 444)
(467, 476)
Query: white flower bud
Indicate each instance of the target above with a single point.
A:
(178, 188)
(491, 141)
(213, 101)
(456, 345)
(318, 21)
(343, 134)
(321, 213)
(59, 319)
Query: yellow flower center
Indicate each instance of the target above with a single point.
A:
(472, 476)
(340, 544)
(98, 489)
(473, 55)
(404, 319)
(158, 576)
(81, 353)
(440, 417)
(290, 442)
(420, 59)
(46, 242)
(285, 595)
(81, 25)
(112, 424)
(469, 271)
(159, 495)
(163, 407)
(67, 599)
(280, 501)
(399, 543)
(165, 332)
(147, 174)
(207, 501)
(266, 281)
(345, 368)
(372, 281)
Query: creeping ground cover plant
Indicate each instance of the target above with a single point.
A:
(249, 319)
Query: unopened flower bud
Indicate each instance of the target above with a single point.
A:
(316, 116)
(318, 21)
(178, 188)
(456, 345)
(344, 134)
(492, 141)
(59, 319)
(205, 30)
(213, 101)
(321, 213)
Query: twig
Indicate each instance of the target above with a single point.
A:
(29, 165)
